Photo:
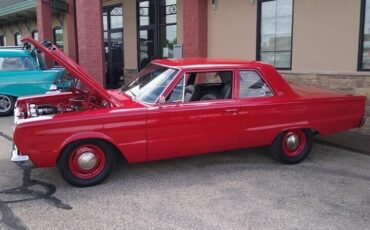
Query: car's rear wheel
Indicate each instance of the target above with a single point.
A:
(6, 105)
(292, 146)
(87, 162)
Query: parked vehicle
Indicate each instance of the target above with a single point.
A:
(22, 75)
(174, 108)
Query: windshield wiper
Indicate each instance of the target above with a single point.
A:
(132, 92)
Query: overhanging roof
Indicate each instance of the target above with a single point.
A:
(14, 6)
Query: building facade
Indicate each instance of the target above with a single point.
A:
(320, 43)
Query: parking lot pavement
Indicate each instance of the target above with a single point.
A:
(242, 189)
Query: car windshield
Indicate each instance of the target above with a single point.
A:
(150, 83)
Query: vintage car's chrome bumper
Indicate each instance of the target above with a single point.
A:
(363, 121)
(20, 159)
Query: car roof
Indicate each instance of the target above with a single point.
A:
(188, 63)
(13, 53)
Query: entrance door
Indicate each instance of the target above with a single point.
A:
(113, 45)
(156, 29)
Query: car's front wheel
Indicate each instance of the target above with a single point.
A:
(6, 105)
(292, 146)
(87, 162)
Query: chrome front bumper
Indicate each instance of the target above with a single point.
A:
(363, 121)
(20, 159)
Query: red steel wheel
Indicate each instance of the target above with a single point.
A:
(293, 142)
(292, 146)
(86, 162)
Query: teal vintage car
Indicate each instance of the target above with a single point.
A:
(22, 74)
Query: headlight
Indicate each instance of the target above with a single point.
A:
(33, 110)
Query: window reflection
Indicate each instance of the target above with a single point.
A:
(116, 18)
(146, 13)
(58, 37)
(17, 39)
(276, 32)
(157, 29)
(113, 45)
(168, 10)
(168, 40)
(366, 39)
(105, 19)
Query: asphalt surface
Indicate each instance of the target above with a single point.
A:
(242, 189)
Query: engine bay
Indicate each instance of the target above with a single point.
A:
(59, 103)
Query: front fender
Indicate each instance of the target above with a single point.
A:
(84, 136)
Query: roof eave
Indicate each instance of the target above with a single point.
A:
(18, 7)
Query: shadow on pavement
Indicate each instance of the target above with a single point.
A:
(46, 193)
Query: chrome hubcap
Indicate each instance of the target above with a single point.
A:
(292, 142)
(5, 103)
(87, 160)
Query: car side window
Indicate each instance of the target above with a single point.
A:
(202, 86)
(16, 63)
(252, 85)
(208, 78)
(178, 92)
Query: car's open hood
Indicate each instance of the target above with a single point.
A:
(78, 72)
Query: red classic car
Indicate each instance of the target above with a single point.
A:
(174, 108)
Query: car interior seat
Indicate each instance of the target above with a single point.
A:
(189, 92)
(225, 92)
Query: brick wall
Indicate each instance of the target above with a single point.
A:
(354, 83)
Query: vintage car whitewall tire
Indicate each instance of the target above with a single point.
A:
(292, 146)
(86, 162)
(6, 105)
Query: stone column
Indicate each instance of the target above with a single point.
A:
(195, 28)
(90, 38)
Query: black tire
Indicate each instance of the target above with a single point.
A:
(7, 104)
(282, 154)
(73, 176)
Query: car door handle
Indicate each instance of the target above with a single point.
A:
(231, 110)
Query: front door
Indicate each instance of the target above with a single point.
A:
(199, 116)
(113, 46)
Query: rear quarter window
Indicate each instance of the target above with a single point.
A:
(251, 84)
(16, 63)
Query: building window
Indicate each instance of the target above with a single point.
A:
(2, 40)
(157, 26)
(17, 39)
(58, 37)
(274, 35)
(35, 34)
(364, 46)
